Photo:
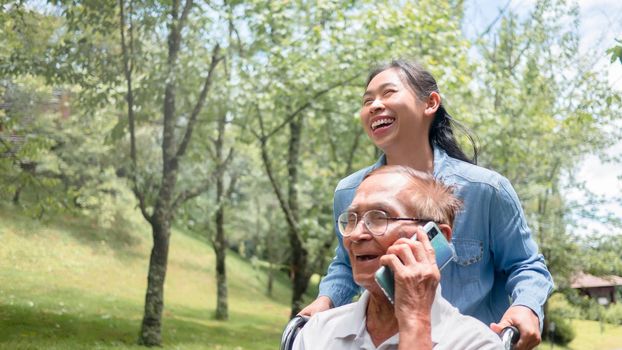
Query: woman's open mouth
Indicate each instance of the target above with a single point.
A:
(382, 124)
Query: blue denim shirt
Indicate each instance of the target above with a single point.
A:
(498, 261)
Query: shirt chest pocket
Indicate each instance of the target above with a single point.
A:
(468, 251)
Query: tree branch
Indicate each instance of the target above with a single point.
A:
(268, 166)
(200, 102)
(318, 94)
(141, 204)
(492, 24)
(353, 149)
(184, 14)
(129, 97)
(191, 193)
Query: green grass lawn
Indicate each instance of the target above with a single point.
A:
(69, 284)
(590, 336)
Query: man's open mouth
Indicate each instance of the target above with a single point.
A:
(366, 257)
(382, 123)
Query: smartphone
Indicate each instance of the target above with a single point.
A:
(443, 250)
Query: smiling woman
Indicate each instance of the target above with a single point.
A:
(402, 113)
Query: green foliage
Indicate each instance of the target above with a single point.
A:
(616, 51)
(607, 261)
(564, 333)
(542, 110)
(613, 314)
(561, 313)
(559, 305)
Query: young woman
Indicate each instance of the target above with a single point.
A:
(498, 260)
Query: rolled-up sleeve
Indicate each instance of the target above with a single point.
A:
(516, 254)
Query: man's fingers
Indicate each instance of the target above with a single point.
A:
(427, 246)
(391, 261)
(498, 327)
(404, 251)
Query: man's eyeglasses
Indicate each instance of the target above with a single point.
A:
(375, 220)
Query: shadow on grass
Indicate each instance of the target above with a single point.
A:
(23, 327)
(121, 237)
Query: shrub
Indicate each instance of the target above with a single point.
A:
(560, 306)
(560, 311)
(613, 314)
(564, 333)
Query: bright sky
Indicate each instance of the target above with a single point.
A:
(601, 24)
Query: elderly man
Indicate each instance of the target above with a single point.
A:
(390, 206)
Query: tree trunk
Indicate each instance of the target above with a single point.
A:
(299, 255)
(546, 323)
(16, 194)
(270, 279)
(150, 333)
(300, 277)
(220, 247)
(270, 256)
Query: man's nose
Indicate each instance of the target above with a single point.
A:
(360, 232)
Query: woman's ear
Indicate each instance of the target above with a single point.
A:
(446, 229)
(433, 103)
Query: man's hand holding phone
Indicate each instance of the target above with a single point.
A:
(437, 248)
(416, 277)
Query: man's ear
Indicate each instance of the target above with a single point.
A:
(433, 103)
(446, 229)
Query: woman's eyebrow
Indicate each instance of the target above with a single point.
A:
(381, 87)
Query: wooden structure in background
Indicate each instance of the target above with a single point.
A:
(603, 288)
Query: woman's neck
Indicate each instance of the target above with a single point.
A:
(381, 322)
(419, 157)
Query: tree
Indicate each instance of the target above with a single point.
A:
(541, 110)
(163, 198)
(52, 160)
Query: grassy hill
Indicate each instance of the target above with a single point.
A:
(70, 284)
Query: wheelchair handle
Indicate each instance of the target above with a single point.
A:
(509, 336)
(291, 330)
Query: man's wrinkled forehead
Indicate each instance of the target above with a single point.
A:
(381, 191)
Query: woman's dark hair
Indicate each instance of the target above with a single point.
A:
(441, 131)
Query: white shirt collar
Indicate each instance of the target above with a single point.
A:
(354, 324)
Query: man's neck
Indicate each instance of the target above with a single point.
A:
(381, 322)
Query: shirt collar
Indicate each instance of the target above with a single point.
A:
(440, 157)
(356, 320)
(382, 160)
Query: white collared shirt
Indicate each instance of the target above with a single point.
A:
(344, 328)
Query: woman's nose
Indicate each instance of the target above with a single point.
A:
(376, 105)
